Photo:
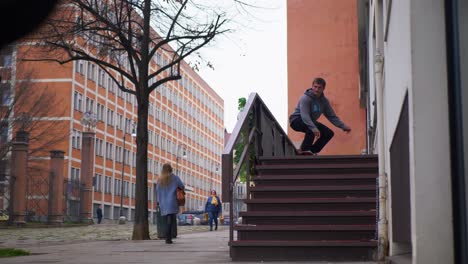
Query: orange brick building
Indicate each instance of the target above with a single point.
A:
(323, 41)
(186, 129)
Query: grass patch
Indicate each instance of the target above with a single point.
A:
(12, 252)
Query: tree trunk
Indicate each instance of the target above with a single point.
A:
(141, 228)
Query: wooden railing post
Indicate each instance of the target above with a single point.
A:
(255, 122)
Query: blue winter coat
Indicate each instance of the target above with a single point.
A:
(211, 207)
(167, 197)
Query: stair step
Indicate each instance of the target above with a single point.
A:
(310, 243)
(242, 227)
(308, 168)
(309, 204)
(324, 176)
(313, 191)
(305, 232)
(300, 179)
(254, 250)
(322, 159)
(308, 213)
(367, 217)
(311, 200)
(313, 188)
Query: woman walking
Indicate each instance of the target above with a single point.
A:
(213, 207)
(166, 190)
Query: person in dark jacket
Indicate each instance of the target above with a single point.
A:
(304, 118)
(99, 214)
(213, 207)
(166, 191)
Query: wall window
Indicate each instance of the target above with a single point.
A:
(110, 117)
(100, 112)
(78, 101)
(76, 139)
(6, 56)
(91, 71)
(118, 153)
(75, 174)
(125, 189)
(5, 93)
(101, 77)
(89, 105)
(119, 121)
(111, 85)
(109, 150)
(133, 190)
(107, 184)
(116, 187)
(98, 147)
(4, 132)
(97, 182)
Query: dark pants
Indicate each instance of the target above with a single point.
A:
(325, 135)
(99, 219)
(213, 218)
(169, 226)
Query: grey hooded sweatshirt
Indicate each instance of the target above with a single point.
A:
(310, 108)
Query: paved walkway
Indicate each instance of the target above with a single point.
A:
(30, 236)
(190, 247)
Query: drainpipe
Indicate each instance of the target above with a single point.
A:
(378, 66)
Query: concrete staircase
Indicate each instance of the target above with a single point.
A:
(310, 208)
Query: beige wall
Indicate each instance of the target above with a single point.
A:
(429, 151)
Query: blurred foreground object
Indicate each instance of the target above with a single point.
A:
(19, 17)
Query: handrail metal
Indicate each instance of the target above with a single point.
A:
(265, 138)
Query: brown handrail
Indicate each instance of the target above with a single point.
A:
(266, 137)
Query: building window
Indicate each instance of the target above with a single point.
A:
(107, 184)
(91, 71)
(116, 187)
(101, 77)
(89, 105)
(109, 150)
(76, 139)
(110, 117)
(100, 112)
(125, 189)
(4, 132)
(98, 147)
(78, 101)
(6, 56)
(75, 175)
(97, 182)
(111, 85)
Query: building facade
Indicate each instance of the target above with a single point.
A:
(414, 71)
(185, 127)
(322, 42)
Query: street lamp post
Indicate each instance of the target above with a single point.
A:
(216, 168)
(123, 163)
(184, 155)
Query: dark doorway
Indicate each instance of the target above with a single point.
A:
(400, 181)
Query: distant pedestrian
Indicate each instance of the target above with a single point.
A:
(99, 214)
(304, 119)
(166, 190)
(213, 207)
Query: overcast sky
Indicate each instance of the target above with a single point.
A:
(251, 59)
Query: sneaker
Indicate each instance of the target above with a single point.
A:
(168, 241)
(307, 152)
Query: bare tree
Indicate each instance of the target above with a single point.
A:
(26, 107)
(122, 37)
